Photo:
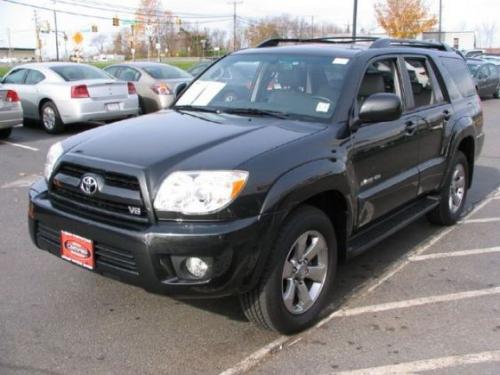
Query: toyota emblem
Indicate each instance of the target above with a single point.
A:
(90, 184)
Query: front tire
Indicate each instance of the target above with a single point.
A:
(454, 193)
(5, 133)
(297, 281)
(50, 118)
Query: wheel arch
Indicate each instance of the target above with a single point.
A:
(322, 184)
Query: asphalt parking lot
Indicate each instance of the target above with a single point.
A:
(426, 299)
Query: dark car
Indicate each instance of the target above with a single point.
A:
(486, 77)
(258, 183)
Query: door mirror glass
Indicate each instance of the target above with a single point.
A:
(381, 107)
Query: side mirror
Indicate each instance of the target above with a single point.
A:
(381, 107)
(180, 89)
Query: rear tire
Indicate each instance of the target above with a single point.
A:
(453, 194)
(294, 288)
(50, 118)
(5, 133)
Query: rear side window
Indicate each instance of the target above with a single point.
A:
(460, 76)
(421, 82)
(129, 74)
(79, 72)
(112, 70)
(16, 77)
(34, 77)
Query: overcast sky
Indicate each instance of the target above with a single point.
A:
(457, 15)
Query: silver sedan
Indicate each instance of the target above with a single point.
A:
(155, 82)
(11, 112)
(58, 94)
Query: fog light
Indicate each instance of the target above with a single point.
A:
(196, 267)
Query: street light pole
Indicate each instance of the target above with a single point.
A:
(355, 19)
(56, 32)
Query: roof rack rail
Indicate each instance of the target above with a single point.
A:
(389, 42)
(274, 42)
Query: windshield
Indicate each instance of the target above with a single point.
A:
(79, 72)
(165, 72)
(293, 85)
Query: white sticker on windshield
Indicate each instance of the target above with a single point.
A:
(201, 93)
(340, 60)
(322, 107)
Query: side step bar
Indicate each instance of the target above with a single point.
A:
(376, 233)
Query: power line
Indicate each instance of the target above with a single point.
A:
(104, 17)
(137, 12)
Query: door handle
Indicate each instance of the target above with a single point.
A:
(411, 127)
(447, 115)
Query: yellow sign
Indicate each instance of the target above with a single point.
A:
(77, 38)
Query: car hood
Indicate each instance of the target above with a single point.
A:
(171, 140)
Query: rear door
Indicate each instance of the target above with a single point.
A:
(494, 79)
(432, 111)
(384, 155)
(483, 81)
(31, 93)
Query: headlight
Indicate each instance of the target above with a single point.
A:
(199, 192)
(55, 152)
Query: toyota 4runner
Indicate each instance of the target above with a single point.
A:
(273, 166)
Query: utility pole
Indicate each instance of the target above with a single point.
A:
(440, 20)
(10, 45)
(235, 4)
(56, 32)
(312, 26)
(355, 19)
(38, 40)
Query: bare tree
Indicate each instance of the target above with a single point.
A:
(99, 42)
(487, 32)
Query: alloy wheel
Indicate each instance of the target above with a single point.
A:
(304, 272)
(457, 188)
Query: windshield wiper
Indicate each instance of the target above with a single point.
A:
(255, 112)
(195, 108)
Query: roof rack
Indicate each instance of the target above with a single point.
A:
(377, 42)
(274, 42)
(389, 42)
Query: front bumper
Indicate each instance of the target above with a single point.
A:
(144, 257)
(87, 110)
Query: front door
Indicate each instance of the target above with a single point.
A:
(384, 155)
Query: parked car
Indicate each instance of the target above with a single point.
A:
(11, 112)
(331, 149)
(486, 77)
(59, 94)
(198, 68)
(155, 82)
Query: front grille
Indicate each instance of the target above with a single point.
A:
(119, 199)
(105, 255)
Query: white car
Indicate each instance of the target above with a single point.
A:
(59, 94)
(11, 112)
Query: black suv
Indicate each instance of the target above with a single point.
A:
(272, 167)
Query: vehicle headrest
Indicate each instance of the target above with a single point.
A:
(372, 84)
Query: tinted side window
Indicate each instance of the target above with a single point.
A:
(381, 76)
(34, 77)
(460, 75)
(493, 71)
(112, 70)
(129, 74)
(16, 77)
(421, 82)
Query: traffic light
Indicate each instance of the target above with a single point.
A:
(116, 21)
(94, 28)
